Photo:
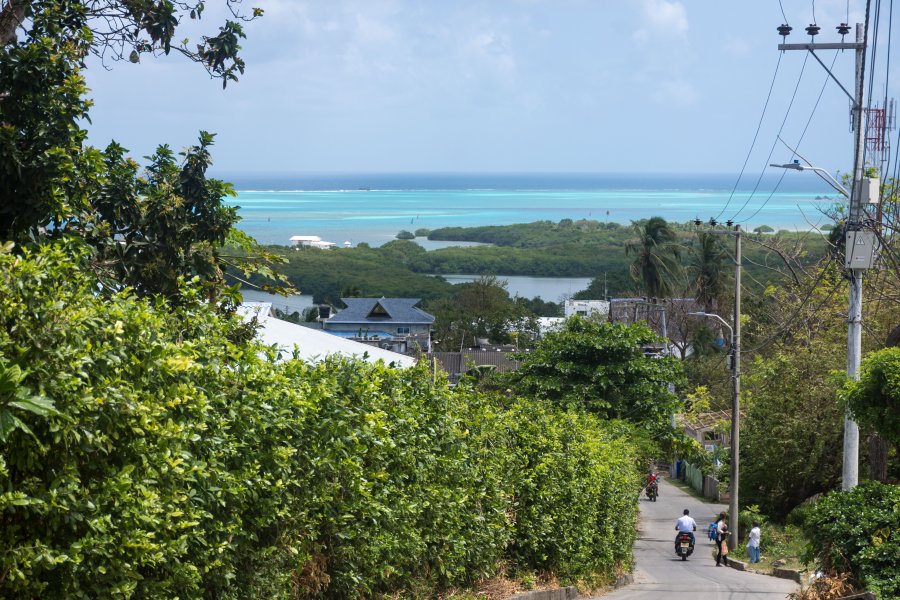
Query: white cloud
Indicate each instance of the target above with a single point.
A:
(662, 18)
(676, 92)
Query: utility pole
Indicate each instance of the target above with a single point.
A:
(858, 242)
(735, 366)
(736, 395)
(850, 470)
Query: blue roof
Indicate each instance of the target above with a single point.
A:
(376, 311)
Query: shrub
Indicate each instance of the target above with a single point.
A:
(875, 398)
(858, 531)
(575, 485)
(167, 458)
(406, 235)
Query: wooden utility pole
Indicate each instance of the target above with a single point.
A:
(733, 506)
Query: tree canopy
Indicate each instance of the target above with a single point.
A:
(128, 29)
(148, 228)
(602, 368)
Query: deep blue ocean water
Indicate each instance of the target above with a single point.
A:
(373, 208)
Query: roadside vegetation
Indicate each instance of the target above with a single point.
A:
(150, 448)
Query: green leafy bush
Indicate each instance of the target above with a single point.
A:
(177, 460)
(575, 484)
(858, 531)
(791, 437)
(875, 398)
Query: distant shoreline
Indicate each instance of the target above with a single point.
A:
(341, 211)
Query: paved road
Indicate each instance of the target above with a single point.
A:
(663, 575)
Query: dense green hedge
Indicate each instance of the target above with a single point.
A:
(179, 462)
(858, 531)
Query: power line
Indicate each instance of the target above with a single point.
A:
(784, 16)
(774, 143)
(797, 145)
(755, 136)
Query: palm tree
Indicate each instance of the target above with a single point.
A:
(708, 270)
(656, 265)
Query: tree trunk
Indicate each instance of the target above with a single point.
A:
(11, 16)
(878, 452)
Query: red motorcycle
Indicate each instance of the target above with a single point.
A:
(653, 491)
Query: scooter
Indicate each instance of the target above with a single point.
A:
(684, 545)
(652, 491)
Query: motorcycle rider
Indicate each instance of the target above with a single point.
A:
(652, 482)
(686, 524)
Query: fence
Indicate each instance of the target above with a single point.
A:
(704, 484)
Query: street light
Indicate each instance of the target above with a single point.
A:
(796, 166)
(735, 422)
(715, 316)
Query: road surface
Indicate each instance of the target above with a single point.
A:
(660, 574)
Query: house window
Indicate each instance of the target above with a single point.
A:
(710, 436)
(404, 330)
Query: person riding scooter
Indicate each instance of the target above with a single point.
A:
(686, 524)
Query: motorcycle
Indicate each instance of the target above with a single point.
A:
(652, 491)
(684, 545)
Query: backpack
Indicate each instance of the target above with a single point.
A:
(713, 531)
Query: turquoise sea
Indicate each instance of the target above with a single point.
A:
(373, 208)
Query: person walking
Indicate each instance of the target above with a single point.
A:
(721, 536)
(753, 542)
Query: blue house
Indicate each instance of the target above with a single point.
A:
(391, 323)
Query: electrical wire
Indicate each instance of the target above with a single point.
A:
(784, 16)
(874, 46)
(886, 158)
(859, 155)
(755, 136)
(775, 143)
(814, 11)
(797, 145)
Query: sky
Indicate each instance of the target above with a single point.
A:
(623, 86)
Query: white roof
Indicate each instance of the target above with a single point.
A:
(314, 344)
(305, 238)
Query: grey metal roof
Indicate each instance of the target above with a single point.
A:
(382, 310)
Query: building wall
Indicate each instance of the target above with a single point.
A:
(586, 308)
(386, 327)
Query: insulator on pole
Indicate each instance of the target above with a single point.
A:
(813, 29)
(713, 221)
(784, 30)
(843, 29)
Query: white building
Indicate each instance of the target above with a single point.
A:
(311, 241)
(586, 308)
